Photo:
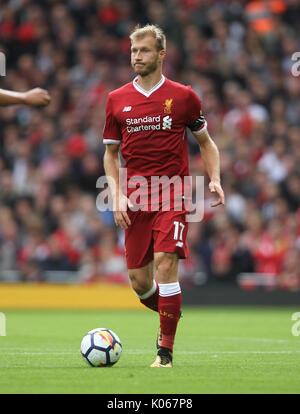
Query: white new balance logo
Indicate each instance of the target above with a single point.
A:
(167, 122)
(127, 108)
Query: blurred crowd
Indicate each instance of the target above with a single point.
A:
(237, 55)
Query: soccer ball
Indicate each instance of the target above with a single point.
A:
(101, 347)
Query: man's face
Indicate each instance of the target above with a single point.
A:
(145, 58)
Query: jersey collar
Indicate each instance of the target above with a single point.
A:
(153, 89)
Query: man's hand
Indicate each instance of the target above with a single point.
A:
(36, 97)
(120, 204)
(215, 187)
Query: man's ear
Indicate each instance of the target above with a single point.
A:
(162, 54)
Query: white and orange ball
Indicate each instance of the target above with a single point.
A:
(101, 347)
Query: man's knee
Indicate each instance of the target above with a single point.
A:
(139, 283)
(166, 265)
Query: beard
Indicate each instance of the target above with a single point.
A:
(146, 69)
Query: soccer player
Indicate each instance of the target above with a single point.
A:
(33, 97)
(146, 121)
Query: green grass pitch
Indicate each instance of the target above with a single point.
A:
(218, 350)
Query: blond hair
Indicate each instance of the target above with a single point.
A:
(152, 30)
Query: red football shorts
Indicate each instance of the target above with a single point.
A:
(154, 231)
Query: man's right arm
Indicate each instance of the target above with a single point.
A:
(111, 167)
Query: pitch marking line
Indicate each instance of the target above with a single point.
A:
(141, 352)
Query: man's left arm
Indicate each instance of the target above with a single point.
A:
(211, 158)
(33, 97)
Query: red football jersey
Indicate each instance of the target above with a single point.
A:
(151, 127)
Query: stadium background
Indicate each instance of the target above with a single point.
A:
(237, 57)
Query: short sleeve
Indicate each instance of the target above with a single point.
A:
(111, 132)
(195, 119)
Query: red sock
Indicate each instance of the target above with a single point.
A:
(152, 301)
(169, 313)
